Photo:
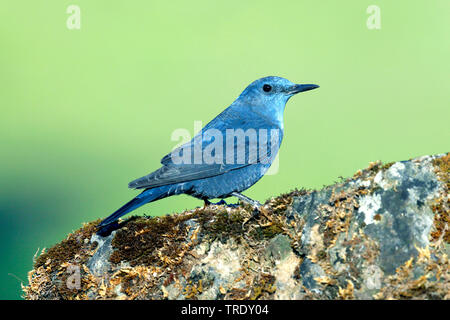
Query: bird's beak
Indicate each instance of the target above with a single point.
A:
(296, 88)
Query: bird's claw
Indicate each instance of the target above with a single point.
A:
(257, 209)
(221, 203)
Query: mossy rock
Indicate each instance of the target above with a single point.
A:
(381, 234)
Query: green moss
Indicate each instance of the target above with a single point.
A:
(237, 294)
(372, 170)
(442, 166)
(74, 250)
(263, 286)
(221, 224)
(62, 252)
(271, 231)
(150, 241)
(386, 166)
(441, 205)
(192, 290)
(441, 220)
(66, 250)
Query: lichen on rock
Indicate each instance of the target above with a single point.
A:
(381, 234)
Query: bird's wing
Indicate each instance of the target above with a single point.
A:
(221, 122)
(172, 172)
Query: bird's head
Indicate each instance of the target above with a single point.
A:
(273, 89)
(271, 94)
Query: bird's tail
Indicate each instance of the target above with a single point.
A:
(145, 197)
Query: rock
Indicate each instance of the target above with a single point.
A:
(99, 263)
(381, 234)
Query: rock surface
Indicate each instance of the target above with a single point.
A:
(381, 234)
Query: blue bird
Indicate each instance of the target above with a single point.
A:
(229, 155)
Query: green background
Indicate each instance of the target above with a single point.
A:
(83, 112)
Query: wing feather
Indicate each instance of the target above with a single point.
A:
(171, 172)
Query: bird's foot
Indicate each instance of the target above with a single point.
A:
(257, 210)
(257, 206)
(261, 210)
(220, 203)
(266, 214)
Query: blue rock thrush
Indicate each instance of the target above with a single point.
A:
(229, 155)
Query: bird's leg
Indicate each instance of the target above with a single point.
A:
(247, 200)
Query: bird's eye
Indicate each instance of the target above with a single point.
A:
(267, 87)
